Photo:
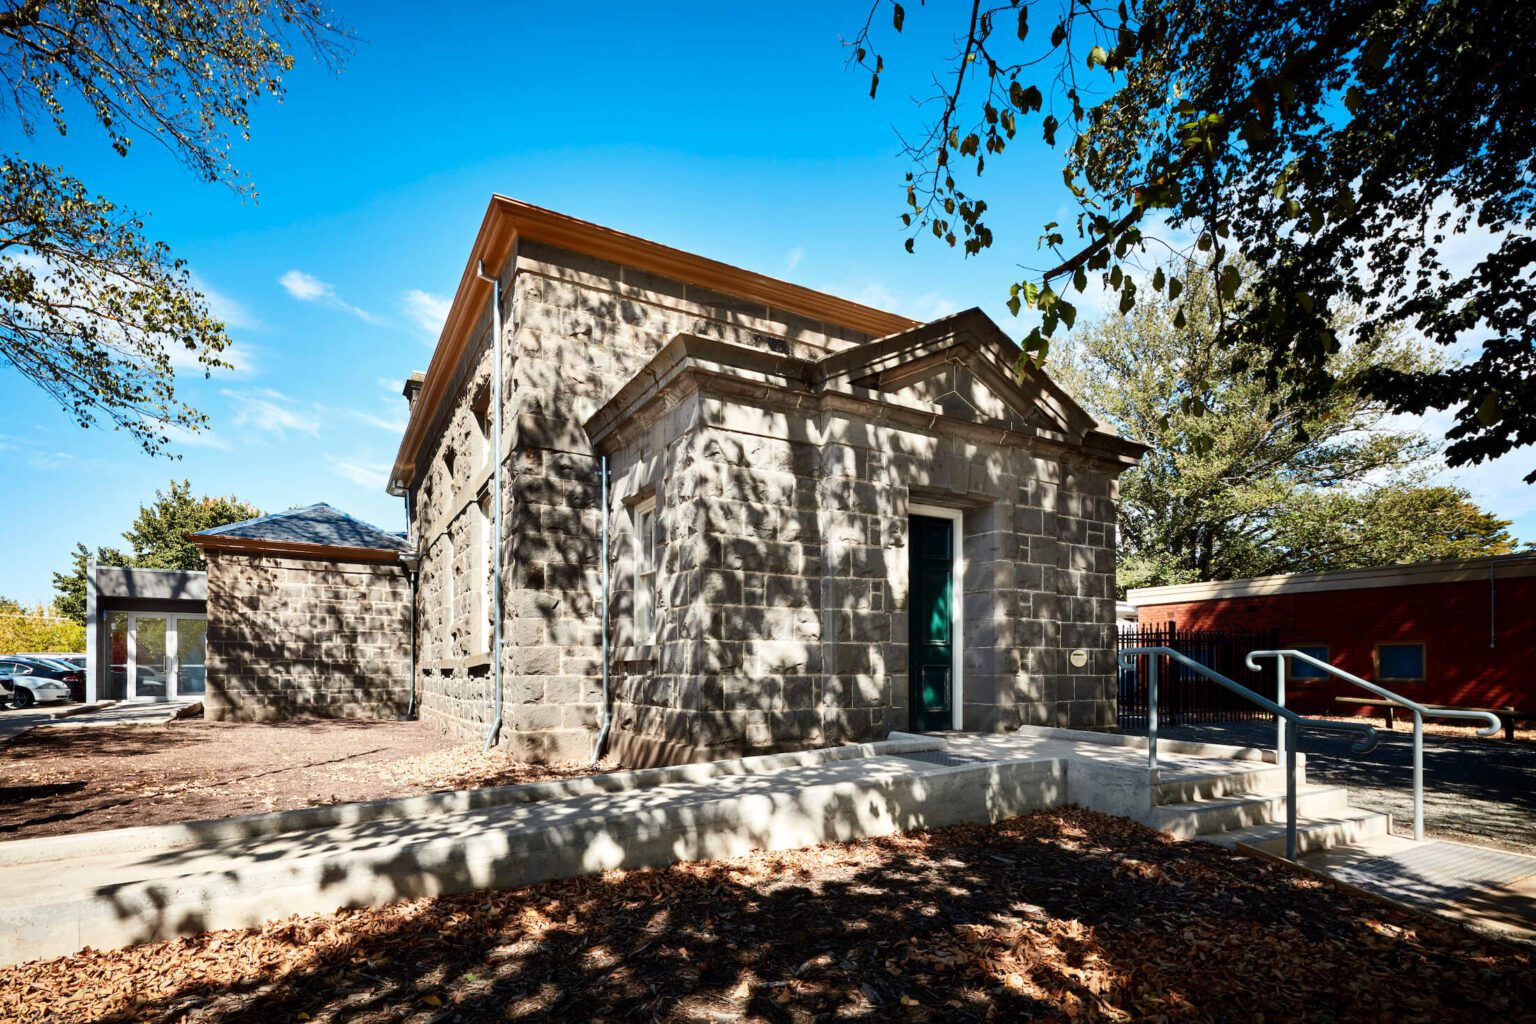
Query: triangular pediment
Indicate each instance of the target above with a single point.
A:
(963, 367)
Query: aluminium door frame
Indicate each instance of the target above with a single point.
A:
(172, 653)
(956, 518)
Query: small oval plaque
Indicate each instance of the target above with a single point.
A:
(1078, 658)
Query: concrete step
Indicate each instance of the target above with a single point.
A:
(1237, 780)
(1202, 817)
(1320, 832)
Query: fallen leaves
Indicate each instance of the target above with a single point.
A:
(997, 923)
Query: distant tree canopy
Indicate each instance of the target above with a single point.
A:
(1323, 155)
(39, 628)
(156, 540)
(1231, 489)
(92, 310)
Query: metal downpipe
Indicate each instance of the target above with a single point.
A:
(602, 734)
(497, 497)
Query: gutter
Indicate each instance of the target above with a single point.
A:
(498, 494)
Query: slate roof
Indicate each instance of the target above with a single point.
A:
(313, 524)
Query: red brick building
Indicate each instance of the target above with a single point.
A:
(1460, 633)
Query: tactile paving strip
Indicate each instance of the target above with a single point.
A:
(1437, 872)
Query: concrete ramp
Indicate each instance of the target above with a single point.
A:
(60, 895)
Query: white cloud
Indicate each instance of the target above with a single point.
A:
(231, 311)
(393, 423)
(361, 471)
(181, 437)
(925, 306)
(426, 312)
(792, 260)
(309, 288)
(272, 413)
(306, 287)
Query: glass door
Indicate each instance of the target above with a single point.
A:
(191, 655)
(151, 673)
(159, 656)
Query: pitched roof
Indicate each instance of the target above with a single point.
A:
(311, 527)
(507, 220)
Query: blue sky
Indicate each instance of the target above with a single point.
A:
(729, 130)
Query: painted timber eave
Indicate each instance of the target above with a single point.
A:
(1465, 570)
(508, 220)
(293, 549)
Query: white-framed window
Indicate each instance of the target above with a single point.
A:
(485, 530)
(450, 595)
(481, 441)
(645, 571)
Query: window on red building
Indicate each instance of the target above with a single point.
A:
(1303, 670)
(1402, 663)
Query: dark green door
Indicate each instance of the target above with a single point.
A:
(932, 550)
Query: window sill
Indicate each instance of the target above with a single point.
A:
(636, 653)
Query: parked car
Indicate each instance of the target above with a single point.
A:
(76, 661)
(30, 680)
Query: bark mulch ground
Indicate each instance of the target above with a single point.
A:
(59, 780)
(1064, 915)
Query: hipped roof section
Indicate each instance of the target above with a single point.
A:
(506, 220)
(318, 531)
(871, 375)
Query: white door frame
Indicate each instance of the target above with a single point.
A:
(172, 659)
(957, 605)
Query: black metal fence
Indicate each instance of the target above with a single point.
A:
(1185, 697)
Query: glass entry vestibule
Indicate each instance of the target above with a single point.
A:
(156, 655)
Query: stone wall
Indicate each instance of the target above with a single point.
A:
(782, 588)
(576, 330)
(782, 617)
(291, 637)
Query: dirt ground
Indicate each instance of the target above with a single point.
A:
(1061, 915)
(58, 780)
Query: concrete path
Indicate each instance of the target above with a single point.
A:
(131, 712)
(13, 722)
(107, 889)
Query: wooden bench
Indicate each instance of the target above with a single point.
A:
(1508, 716)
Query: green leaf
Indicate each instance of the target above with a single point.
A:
(1353, 99)
(1230, 279)
(1059, 34)
(1158, 279)
(1023, 22)
(898, 16)
(1096, 56)
(1067, 312)
(1488, 411)
(1175, 287)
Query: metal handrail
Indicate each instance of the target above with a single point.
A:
(1419, 711)
(1366, 743)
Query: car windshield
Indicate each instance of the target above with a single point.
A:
(58, 663)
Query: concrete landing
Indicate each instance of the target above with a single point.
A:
(1475, 885)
